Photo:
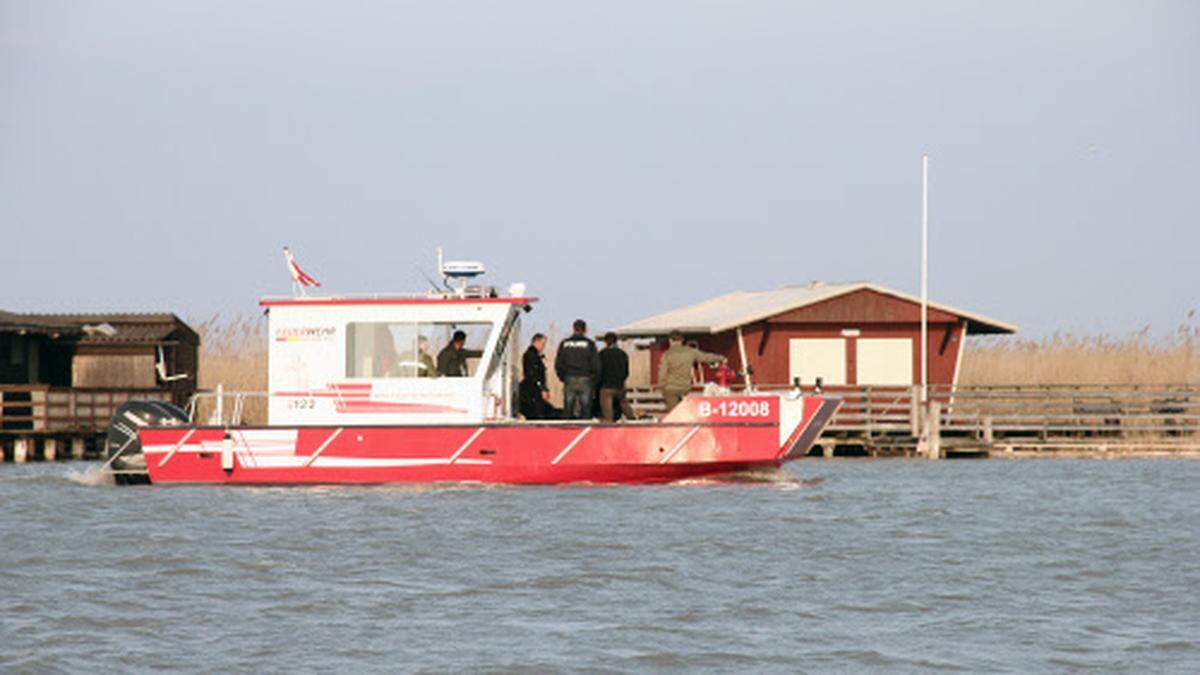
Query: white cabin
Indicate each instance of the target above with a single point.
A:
(366, 361)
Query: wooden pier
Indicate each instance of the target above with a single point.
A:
(43, 423)
(972, 422)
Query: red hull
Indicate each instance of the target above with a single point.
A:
(697, 439)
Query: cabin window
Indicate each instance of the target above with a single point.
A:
(390, 349)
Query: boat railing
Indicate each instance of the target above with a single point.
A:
(222, 408)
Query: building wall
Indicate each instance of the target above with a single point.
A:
(867, 312)
(767, 348)
(863, 306)
(120, 367)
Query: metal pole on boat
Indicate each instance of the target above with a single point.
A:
(924, 278)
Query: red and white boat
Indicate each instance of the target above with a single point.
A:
(350, 402)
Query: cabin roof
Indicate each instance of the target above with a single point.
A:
(350, 301)
(740, 308)
(126, 327)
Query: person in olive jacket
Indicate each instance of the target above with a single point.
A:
(534, 398)
(677, 366)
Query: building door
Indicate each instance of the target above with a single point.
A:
(810, 358)
(885, 361)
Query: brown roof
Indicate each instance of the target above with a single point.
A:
(126, 327)
(744, 307)
(36, 324)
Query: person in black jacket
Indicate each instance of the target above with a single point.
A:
(577, 364)
(614, 370)
(534, 398)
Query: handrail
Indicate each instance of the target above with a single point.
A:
(1100, 413)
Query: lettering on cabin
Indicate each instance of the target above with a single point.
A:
(305, 334)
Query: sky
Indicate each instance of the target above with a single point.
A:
(620, 158)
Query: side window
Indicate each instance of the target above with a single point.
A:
(412, 350)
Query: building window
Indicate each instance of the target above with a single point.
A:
(407, 349)
(813, 358)
(885, 361)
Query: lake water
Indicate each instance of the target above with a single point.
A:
(1039, 565)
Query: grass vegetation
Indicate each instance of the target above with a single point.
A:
(1137, 359)
(234, 354)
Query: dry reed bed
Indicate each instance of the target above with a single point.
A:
(234, 354)
(1137, 359)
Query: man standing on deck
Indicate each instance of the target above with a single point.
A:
(577, 364)
(534, 393)
(614, 370)
(452, 360)
(676, 368)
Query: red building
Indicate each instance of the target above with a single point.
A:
(845, 334)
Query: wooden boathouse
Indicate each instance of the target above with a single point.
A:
(862, 341)
(63, 375)
(842, 335)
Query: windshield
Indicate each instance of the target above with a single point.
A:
(390, 349)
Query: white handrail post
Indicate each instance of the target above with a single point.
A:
(914, 411)
(935, 430)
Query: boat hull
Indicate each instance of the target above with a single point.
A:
(705, 436)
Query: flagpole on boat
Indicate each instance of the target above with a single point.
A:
(924, 277)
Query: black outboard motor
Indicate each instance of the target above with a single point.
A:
(122, 442)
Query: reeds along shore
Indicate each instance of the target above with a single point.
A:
(1138, 359)
(234, 354)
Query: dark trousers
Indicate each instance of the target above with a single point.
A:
(577, 397)
(530, 402)
(611, 400)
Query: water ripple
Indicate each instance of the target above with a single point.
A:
(832, 566)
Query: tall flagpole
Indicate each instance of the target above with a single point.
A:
(924, 277)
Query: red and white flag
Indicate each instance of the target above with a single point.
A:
(300, 278)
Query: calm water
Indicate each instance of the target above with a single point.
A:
(1044, 565)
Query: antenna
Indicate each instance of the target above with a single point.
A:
(432, 284)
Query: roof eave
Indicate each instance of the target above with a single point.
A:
(634, 332)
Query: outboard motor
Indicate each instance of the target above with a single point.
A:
(129, 465)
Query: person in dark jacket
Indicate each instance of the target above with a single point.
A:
(614, 370)
(534, 395)
(577, 363)
(452, 360)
